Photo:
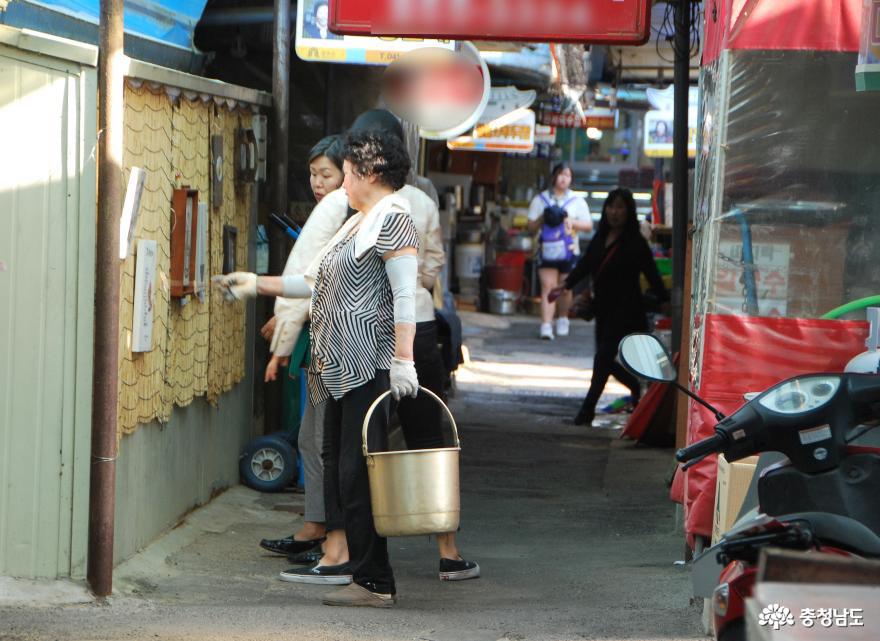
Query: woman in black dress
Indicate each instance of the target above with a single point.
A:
(614, 261)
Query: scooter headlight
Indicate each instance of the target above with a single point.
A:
(720, 599)
(802, 394)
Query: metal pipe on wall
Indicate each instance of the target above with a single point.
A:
(280, 126)
(102, 485)
(680, 163)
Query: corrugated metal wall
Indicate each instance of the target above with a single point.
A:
(46, 249)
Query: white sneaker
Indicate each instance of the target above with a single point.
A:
(547, 331)
(562, 326)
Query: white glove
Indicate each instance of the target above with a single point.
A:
(237, 285)
(404, 380)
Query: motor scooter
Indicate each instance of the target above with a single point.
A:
(820, 497)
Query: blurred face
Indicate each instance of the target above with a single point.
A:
(616, 214)
(563, 180)
(356, 188)
(321, 16)
(324, 177)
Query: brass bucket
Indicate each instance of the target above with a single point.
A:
(414, 491)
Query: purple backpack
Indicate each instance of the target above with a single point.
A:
(556, 245)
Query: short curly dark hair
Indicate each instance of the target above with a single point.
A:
(377, 153)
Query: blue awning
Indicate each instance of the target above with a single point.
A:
(158, 31)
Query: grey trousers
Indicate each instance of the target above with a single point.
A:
(311, 441)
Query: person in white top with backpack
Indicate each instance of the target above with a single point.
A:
(558, 215)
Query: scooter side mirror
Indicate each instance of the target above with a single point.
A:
(645, 356)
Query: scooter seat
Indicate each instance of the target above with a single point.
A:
(839, 530)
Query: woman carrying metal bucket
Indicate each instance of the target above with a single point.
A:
(363, 324)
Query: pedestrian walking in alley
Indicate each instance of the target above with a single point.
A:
(560, 216)
(363, 325)
(284, 330)
(614, 261)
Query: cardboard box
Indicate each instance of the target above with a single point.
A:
(730, 492)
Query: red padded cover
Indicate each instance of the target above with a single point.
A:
(749, 354)
(815, 25)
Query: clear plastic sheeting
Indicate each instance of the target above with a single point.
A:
(786, 222)
(787, 207)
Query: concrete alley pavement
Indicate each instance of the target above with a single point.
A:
(571, 526)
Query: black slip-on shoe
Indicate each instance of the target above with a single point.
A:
(319, 574)
(458, 570)
(306, 558)
(289, 545)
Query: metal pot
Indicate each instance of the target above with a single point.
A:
(502, 301)
(520, 242)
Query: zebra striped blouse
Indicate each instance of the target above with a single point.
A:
(353, 312)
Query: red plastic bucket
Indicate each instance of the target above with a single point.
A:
(509, 277)
(511, 258)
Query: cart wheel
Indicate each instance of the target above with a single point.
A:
(267, 464)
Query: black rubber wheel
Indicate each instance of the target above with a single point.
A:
(734, 631)
(268, 464)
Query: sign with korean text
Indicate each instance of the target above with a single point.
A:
(515, 134)
(771, 278)
(599, 118)
(317, 43)
(580, 21)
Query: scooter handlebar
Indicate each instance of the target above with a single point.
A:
(701, 448)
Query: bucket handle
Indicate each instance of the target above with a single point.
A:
(382, 397)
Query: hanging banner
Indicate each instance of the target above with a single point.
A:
(598, 21)
(598, 118)
(658, 134)
(316, 43)
(513, 132)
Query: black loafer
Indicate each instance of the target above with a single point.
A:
(305, 558)
(289, 545)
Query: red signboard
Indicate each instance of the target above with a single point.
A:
(350, 17)
(625, 22)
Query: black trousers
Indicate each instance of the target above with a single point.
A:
(421, 419)
(605, 365)
(347, 486)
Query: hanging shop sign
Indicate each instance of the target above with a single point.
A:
(658, 134)
(513, 132)
(506, 124)
(317, 43)
(626, 22)
(598, 118)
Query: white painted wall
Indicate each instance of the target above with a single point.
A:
(47, 208)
